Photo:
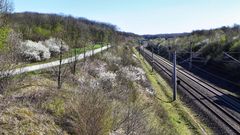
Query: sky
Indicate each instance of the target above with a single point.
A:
(144, 16)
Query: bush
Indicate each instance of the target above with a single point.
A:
(88, 114)
(39, 51)
(235, 47)
(133, 73)
(54, 46)
(33, 51)
(42, 31)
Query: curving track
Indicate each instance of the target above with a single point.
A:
(224, 107)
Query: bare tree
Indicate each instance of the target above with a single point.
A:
(6, 7)
(62, 69)
(88, 113)
(74, 63)
(9, 60)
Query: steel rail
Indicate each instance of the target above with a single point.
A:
(226, 117)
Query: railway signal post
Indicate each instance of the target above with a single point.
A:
(169, 53)
(152, 58)
(143, 52)
(174, 76)
(190, 59)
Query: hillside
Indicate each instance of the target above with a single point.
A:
(109, 94)
(65, 75)
(173, 35)
(208, 46)
(36, 26)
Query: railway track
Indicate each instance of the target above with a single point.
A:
(224, 107)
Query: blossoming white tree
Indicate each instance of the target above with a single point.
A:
(42, 50)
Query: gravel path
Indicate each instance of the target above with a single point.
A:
(54, 63)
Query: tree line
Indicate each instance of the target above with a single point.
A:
(74, 31)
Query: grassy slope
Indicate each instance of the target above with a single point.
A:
(168, 118)
(22, 116)
(182, 118)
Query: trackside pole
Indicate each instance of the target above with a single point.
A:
(174, 76)
(190, 59)
(152, 58)
(139, 50)
(143, 53)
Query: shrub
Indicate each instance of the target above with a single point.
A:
(54, 46)
(38, 51)
(34, 51)
(88, 114)
(107, 80)
(133, 73)
(42, 31)
(235, 47)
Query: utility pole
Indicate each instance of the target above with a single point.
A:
(191, 56)
(174, 76)
(169, 53)
(152, 58)
(143, 53)
(139, 51)
(159, 49)
(169, 48)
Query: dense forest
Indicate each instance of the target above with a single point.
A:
(36, 26)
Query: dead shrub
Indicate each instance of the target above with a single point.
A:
(88, 114)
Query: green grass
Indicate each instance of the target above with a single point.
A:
(182, 118)
(56, 106)
(81, 50)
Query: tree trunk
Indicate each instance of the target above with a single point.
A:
(101, 49)
(60, 71)
(75, 61)
(92, 49)
(84, 53)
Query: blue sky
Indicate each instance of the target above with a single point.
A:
(144, 16)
